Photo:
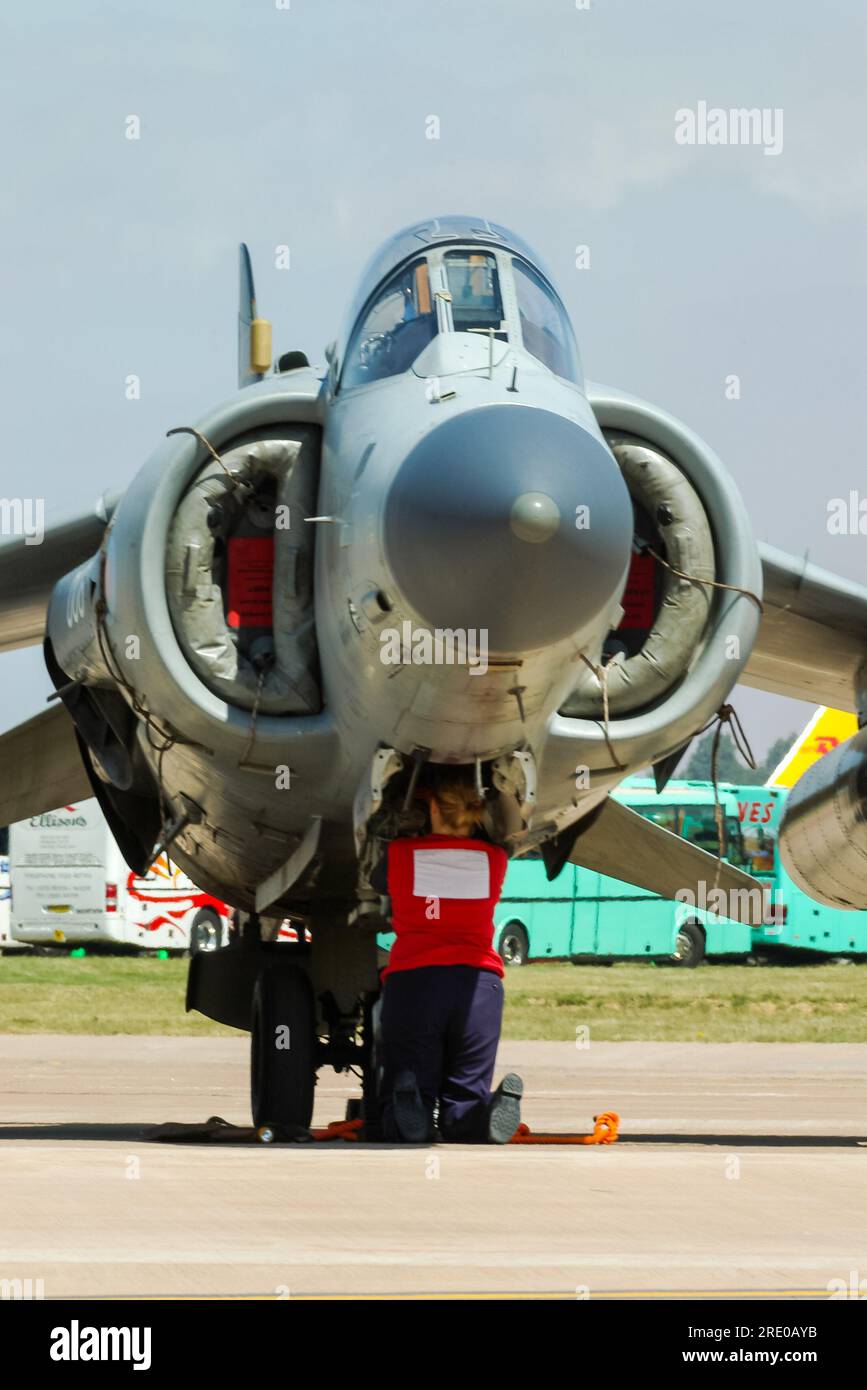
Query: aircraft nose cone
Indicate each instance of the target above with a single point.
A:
(510, 519)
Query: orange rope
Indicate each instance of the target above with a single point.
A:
(339, 1129)
(605, 1130)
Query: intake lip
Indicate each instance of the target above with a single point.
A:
(480, 531)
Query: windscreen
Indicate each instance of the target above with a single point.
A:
(396, 327)
(474, 286)
(545, 327)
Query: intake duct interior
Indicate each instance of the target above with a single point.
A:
(666, 615)
(239, 574)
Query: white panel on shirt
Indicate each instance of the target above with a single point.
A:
(451, 873)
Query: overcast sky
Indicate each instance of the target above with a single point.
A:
(305, 126)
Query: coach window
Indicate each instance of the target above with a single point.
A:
(666, 816)
(698, 825)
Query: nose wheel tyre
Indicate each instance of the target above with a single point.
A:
(283, 1048)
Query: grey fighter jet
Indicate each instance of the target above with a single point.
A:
(445, 547)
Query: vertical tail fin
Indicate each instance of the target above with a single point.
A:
(826, 729)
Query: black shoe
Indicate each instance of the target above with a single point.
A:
(410, 1117)
(504, 1113)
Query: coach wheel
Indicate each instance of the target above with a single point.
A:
(282, 1048)
(689, 947)
(206, 933)
(514, 944)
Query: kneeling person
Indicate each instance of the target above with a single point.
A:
(442, 1006)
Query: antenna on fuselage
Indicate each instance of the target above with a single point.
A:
(254, 334)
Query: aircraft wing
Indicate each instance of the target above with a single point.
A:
(42, 766)
(813, 635)
(620, 843)
(29, 571)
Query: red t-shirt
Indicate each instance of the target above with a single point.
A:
(443, 892)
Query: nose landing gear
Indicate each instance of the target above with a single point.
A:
(307, 1005)
(313, 1006)
(285, 1053)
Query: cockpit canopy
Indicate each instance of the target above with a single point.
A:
(448, 288)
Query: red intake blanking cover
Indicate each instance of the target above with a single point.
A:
(251, 574)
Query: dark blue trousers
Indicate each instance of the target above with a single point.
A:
(442, 1022)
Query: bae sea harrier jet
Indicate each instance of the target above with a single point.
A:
(444, 547)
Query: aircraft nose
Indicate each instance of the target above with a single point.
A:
(511, 519)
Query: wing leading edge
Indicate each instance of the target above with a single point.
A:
(813, 634)
(29, 570)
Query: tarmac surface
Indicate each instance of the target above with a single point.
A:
(741, 1169)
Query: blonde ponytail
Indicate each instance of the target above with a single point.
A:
(460, 805)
